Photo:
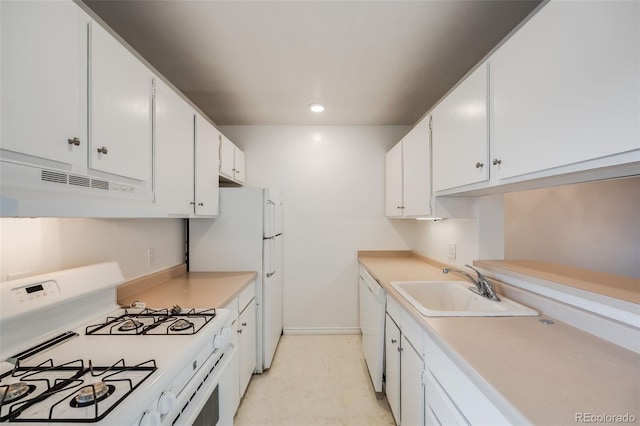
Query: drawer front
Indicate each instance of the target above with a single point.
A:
(471, 402)
(443, 409)
(246, 296)
(413, 332)
(394, 310)
(232, 307)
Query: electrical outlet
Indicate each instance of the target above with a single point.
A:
(152, 256)
(451, 254)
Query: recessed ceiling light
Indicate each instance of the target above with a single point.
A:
(315, 107)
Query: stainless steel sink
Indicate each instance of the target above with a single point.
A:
(454, 299)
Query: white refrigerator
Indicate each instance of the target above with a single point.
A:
(247, 236)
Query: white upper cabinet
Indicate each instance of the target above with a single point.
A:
(206, 168)
(460, 135)
(566, 87)
(407, 174)
(231, 161)
(393, 182)
(44, 80)
(174, 152)
(416, 171)
(120, 92)
(238, 161)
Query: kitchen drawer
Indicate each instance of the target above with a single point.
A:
(232, 307)
(413, 332)
(394, 310)
(246, 296)
(441, 406)
(471, 402)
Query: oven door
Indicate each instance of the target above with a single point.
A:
(201, 402)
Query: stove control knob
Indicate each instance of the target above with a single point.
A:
(167, 403)
(220, 341)
(150, 418)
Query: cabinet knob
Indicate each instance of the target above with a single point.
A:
(399, 349)
(74, 141)
(201, 204)
(193, 203)
(393, 341)
(102, 150)
(479, 165)
(240, 331)
(496, 161)
(237, 171)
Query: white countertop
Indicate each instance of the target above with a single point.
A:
(543, 374)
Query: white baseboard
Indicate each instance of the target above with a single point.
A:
(321, 330)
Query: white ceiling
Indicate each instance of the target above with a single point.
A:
(263, 62)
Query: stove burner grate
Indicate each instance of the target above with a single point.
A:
(73, 383)
(154, 322)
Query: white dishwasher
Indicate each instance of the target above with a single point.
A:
(372, 308)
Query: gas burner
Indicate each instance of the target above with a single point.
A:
(15, 391)
(130, 325)
(181, 325)
(88, 395)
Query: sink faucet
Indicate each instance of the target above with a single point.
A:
(483, 286)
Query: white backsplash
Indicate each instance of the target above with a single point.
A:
(35, 246)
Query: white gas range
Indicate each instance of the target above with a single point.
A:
(72, 355)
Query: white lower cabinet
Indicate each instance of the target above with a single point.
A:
(404, 364)
(411, 387)
(247, 330)
(247, 333)
(423, 384)
(392, 368)
(244, 338)
(230, 384)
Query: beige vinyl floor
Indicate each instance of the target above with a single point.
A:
(317, 380)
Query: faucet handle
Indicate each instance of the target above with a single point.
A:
(476, 271)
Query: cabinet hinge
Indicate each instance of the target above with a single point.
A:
(431, 122)
(423, 378)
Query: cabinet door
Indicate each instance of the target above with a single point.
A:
(247, 329)
(393, 182)
(238, 164)
(44, 80)
(460, 134)
(227, 152)
(174, 151)
(392, 366)
(566, 86)
(120, 109)
(416, 171)
(206, 173)
(411, 388)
